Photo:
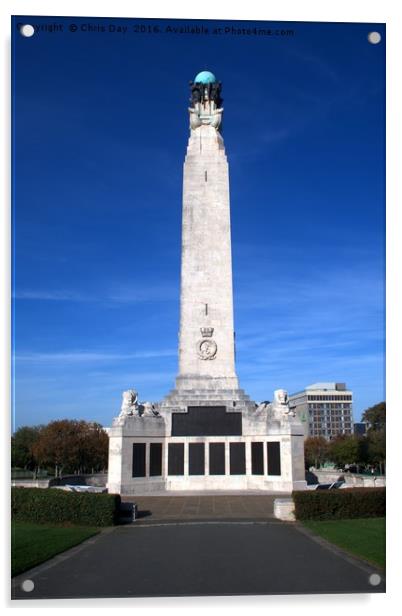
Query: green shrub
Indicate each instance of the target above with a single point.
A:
(338, 504)
(51, 505)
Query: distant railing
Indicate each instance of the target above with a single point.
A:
(21, 473)
(97, 480)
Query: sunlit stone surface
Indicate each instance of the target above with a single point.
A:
(206, 434)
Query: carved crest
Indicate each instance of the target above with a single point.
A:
(207, 349)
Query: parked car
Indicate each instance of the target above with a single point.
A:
(336, 485)
(327, 486)
(87, 489)
(323, 486)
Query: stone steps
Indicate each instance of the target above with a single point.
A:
(221, 394)
(235, 400)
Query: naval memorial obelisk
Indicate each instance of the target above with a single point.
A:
(206, 433)
(206, 338)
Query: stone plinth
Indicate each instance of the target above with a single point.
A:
(284, 509)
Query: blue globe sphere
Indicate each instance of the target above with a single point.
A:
(205, 77)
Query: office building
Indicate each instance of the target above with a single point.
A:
(325, 409)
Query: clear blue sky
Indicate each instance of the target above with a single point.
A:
(100, 132)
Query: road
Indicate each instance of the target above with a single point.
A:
(221, 557)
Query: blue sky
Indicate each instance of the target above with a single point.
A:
(100, 132)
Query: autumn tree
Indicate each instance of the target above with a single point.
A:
(72, 446)
(91, 447)
(315, 451)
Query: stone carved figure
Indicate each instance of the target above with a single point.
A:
(132, 408)
(129, 404)
(216, 93)
(148, 410)
(279, 408)
(281, 397)
(281, 402)
(216, 118)
(205, 105)
(195, 120)
(205, 92)
(196, 93)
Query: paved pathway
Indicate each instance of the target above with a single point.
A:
(198, 558)
(202, 507)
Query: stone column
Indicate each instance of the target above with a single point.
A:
(206, 339)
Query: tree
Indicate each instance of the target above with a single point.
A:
(315, 451)
(99, 447)
(91, 447)
(72, 446)
(376, 447)
(363, 454)
(343, 450)
(22, 444)
(375, 416)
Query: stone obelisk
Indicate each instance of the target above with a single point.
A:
(206, 337)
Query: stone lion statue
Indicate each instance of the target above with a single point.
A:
(148, 409)
(129, 405)
(281, 397)
(281, 402)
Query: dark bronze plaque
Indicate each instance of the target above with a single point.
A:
(217, 458)
(237, 459)
(206, 421)
(176, 459)
(155, 459)
(196, 459)
(274, 458)
(257, 458)
(139, 459)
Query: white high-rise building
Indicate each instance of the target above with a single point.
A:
(324, 409)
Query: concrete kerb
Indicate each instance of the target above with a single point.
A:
(143, 523)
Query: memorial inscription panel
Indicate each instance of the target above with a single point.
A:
(274, 458)
(155, 459)
(196, 459)
(217, 458)
(139, 450)
(206, 421)
(176, 459)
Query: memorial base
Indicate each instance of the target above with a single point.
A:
(209, 447)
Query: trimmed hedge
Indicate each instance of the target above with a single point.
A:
(338, 504)
(58, 506)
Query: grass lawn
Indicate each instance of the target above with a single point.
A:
(364, 537)
(32, 544)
